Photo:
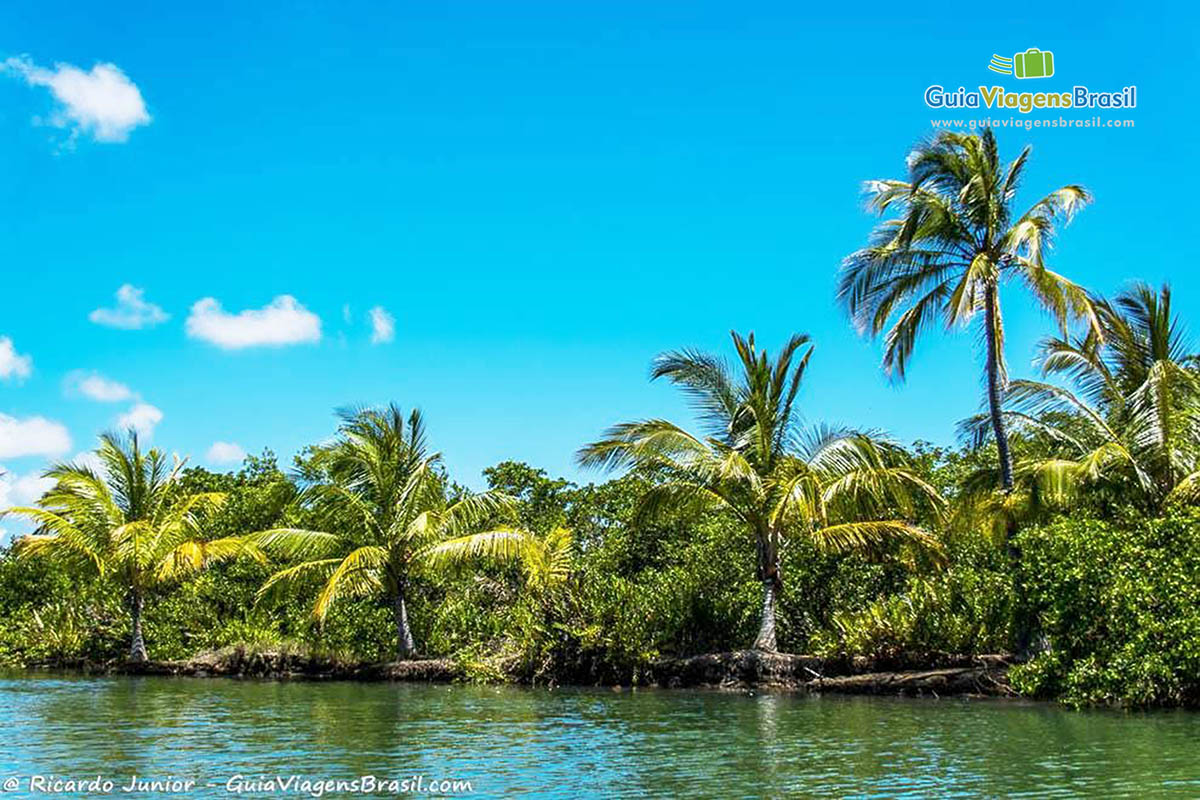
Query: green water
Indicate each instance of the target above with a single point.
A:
(585, 743)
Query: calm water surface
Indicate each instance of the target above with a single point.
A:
(587, 743)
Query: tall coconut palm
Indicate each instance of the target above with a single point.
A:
(384, 504)
(127, 522)
(953, 242)
(843, 490)
(1133, 424)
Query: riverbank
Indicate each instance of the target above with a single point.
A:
(935, 674)
(242, 662)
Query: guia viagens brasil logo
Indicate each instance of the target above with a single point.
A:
(1030, 64)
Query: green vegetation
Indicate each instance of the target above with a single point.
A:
(133, 526)
(1120, 606)
(1061, 529)
(383, 504)
(1130, 433)
(835, 487)
(946, 254)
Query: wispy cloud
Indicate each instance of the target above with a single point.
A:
(23, 489)
(12, 363)
(102, 102)
(95, 386)
(142, 417)
(225, 453)
(89, 459)
(20, 490)
(131, 312)
(383, 325)
(32, 436)
(283, 321)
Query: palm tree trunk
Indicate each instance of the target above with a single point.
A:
(1022, 614)
(991, 326)
(1022, 618)
(768, 573)
(765, 641)
(405, 647)
(137, 645)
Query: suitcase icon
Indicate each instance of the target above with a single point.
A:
(1033, 63)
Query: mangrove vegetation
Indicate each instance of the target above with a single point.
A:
(1061, 528)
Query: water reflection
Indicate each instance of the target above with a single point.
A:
(597, 743)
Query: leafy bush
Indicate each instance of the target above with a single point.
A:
(1116, 603)
(48, 616)
(963, 608)
(1119, 607)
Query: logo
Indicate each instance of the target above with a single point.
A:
(1033, 63)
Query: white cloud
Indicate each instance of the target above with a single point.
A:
(132, 311)
(88, 458)
(283, 321)
(95, 386)
(225, 453)
(143, 418)
(32, 436)
(12, 363)
(22, 490)
(102, 102)
(383, 325)
(26, 489)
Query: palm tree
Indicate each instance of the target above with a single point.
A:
(839, 488)
(944, 256)
(384, 503)
(128, 523)
(1133, 425)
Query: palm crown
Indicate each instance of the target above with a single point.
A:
(841, 488)
(127, 522)
(1136, 408)
(952, 243)
(384, 502)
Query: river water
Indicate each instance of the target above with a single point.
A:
(231, 738)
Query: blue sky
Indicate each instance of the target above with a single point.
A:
(542, 196)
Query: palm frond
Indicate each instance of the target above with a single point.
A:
(872, 534)
(647, 443)
(295, 544)
(191, 557)
(360, 574)
(289, 581)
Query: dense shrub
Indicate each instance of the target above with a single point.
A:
(1119, 607)
(961, 608)
(1116, 603)
(48, 615)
